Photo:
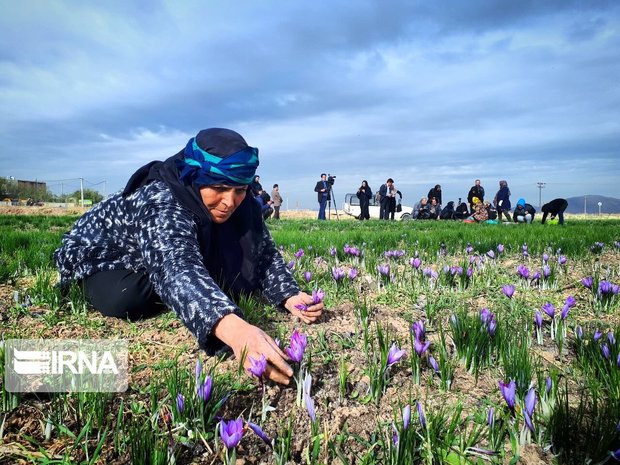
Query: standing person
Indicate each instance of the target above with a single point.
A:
(364, 193)
(524, 212)
(435, 193)
(322, 190)
(255, 186)
(277, 201)
(386, 194)
(553, 208)
(502, 201)
(476, 191)
(186, 234)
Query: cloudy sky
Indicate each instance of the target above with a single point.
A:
(424, 92)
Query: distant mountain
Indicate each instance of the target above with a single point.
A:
(609, 204)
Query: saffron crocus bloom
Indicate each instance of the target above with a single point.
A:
(470, 272)
(231, 432)
(433, 363)
(415, 262)
(180, 402)
(570, 301)
(203, 391)
(616, 454)
(579, 332)
(394, 355)
(562, 260)
(606, 351)
(421, 415)
(549, 309)
(611, 338)
(307, 276)
(588, 281)
(618, 364)
(492, 326)
(418, 329)
(546, 271)
(333, 251)
(469, 249)
(257, 367)
(597, 335)
(406, 416)
(530, 401)
(538, 319)
(291, 264)
(310, 407)
(299, 253)
(485, 315)
(545, 258)
(297, 346)
(604, 288)
(338, 274)
(395, 437)
(260, 433)
(523, 271)
(352, 274)
(508, 290)
(500, 248)
(536, 276)
(420, 347)
(491, 254)
(564, 312)
(384, 270)
(528, 422)
(317, 296)
(548, 384)
(509, 391)
(491, 417)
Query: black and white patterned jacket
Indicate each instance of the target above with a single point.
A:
(150, 231)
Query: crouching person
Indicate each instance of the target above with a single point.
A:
(184, 234)
(554, 208)
(524, 212)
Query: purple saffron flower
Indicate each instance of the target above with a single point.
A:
(180, 402)
(395, 437)
(523, 271)
(472, 259)
(538, 319)
(549, 309)
(546, 271)
(597, 335)
(433, 363)
(604, 288)
(570, 301)
(346, 249)
(299, 253)
(564, 312)
(469, 249)
(606, 351)
(562, 260)
(204, 390)
(384, 270)
(297, 346)
(545, 258)
(579, 332)
(406, 416)
(333, 251)
(231, 432)
(291, 264)
(260, 433)
(310, 407)
(524, 248)
(307, 276)
(588, 281)
(509, 391)
(500, 248)
(530, 402)
(415, 262)
(536, 276)
(618, 364)
(491, 254)
(257, 367)
(421, 415)
(616, 455)
(611, 338)
(485, 315)
(338, 274)
(528, 422)
(352, 274)
(491, 417)
(548, 384)
(508, 290)
(418, 329)
(427, 272)
(394, 355)
(492, 326)
(420, 347)
(317, 296)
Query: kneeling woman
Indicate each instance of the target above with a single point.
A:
(183, 234)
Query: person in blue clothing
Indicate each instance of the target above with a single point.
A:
(322, 190)
(184, 234)
(502, 201)
(364, 193)
(524, 212)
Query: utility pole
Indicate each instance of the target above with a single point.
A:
(82, 191)
(541, 186)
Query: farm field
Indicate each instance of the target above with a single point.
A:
(442, 342)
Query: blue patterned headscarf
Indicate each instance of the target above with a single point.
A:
(218, 156)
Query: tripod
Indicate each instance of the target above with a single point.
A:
(329, 203)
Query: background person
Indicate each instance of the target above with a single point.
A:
(480, 211)
(277, 201)
(322, 190)
(255, 186)
(524, 212)
(420, 209)
(386, 193)
(435, 193)
(476, 191)
(553, 208)
(184, 235)
(502, 201)
(434, 209)
(364, 193)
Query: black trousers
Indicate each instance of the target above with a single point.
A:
(123, 294)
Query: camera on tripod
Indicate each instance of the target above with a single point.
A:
(331, 179)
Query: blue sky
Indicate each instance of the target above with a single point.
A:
(424, 92)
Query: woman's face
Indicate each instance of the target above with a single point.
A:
(364, 184)
(222, 200)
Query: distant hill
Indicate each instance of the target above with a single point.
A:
(576, 204)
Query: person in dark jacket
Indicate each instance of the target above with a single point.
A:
(387, 193)
(256, 186)
(524, 212)
(364, 193)
(185, 234)
(502, 201)
(322, 190)
(435, 193)
(554, 208)
(434, 209)
(476, 191)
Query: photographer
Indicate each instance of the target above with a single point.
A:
(364, 193)
(322, 190)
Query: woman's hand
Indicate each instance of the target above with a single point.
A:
(312, 312)
(242, 337)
